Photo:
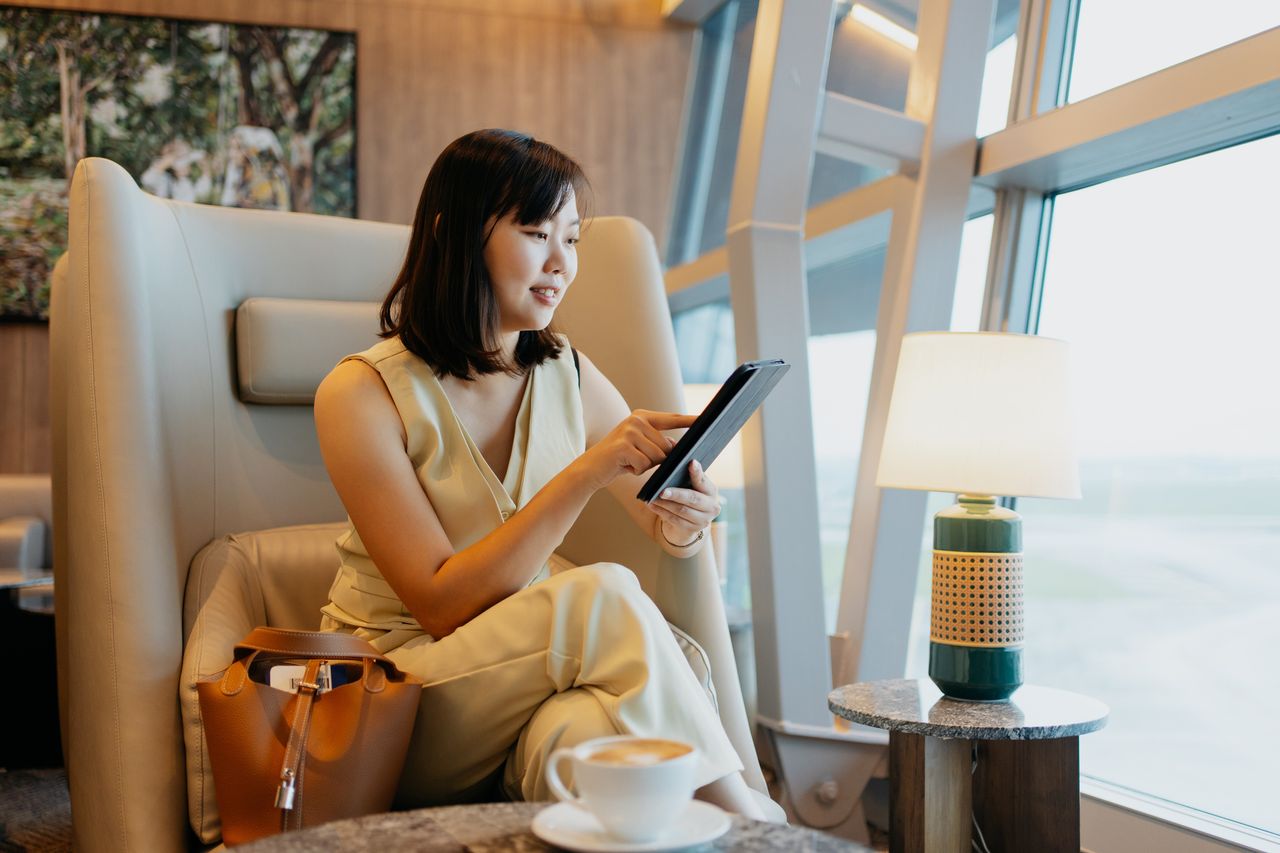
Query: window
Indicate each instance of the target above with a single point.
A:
(711, 144)
(704, 341)
(1121, 40)
(844, 298)
(708, 354)
(863, 64)
(843, 301)
(1159, 591)
(867, 65)
(997, 87)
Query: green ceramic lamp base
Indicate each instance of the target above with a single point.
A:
(979, 675)
(975, 648)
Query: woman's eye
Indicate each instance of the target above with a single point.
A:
(538, 235)
(572, 241)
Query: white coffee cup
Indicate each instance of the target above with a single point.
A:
(635, 786)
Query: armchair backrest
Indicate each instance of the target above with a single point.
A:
(155, 455)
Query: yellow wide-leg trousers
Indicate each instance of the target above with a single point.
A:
(581, 655)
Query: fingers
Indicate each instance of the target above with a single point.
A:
(701, 481)
(696, 501)
(667, 515)
(653, 453)
(637, 460)
(691, 515)
(648, 431)
(665, 420)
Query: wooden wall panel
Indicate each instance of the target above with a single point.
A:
(602, 79)
(609, 96)
(24, 398)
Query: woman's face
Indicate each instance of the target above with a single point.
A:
(531, 266)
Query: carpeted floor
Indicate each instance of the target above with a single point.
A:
(35, 811)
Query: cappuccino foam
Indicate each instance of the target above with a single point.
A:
(639, 753)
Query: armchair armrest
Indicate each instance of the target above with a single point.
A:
(22, 543)
(26, 520)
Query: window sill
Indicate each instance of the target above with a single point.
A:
(1115, 818)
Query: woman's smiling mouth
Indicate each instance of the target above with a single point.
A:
(546, 295)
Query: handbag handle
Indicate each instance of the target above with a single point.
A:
(316, 646)
(320, 644)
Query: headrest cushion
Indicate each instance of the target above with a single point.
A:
(284, 347)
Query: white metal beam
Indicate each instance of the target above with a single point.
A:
(767, 282)
(853, 222)
(919, 286)
(850, 224)
(858, 221)
(869, 134)
(1224, 97)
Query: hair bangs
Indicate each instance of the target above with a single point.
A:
(539, 188)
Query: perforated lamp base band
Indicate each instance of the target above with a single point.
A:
(976, 619)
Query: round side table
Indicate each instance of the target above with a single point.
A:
(1013, 766)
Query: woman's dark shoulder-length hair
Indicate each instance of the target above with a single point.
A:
(442, 305)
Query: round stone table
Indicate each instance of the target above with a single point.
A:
(505, 827)
(1013, 766)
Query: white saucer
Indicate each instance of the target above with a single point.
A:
(574, 828)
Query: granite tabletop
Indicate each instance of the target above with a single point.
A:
(505, 826)
(918, 707)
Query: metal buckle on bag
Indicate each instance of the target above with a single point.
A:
(287, 791)
(288, 677)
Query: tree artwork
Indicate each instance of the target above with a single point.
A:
(210, 113)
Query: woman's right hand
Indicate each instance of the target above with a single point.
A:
(634, 446)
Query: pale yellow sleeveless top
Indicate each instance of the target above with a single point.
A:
(467, 496)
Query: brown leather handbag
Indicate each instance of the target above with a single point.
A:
(284, 761)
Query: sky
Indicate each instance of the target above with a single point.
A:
(1167, 285)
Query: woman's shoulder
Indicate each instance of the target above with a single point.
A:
(384, 350)
(357, 375)
(352, 381)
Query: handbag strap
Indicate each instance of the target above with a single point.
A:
(321, 644)
(290, 787)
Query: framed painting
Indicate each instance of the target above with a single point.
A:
(204, 112)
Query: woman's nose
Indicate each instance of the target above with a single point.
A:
(555, 261)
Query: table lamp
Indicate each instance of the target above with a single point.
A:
(980, 414)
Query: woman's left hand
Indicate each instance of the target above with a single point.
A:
(684, 512)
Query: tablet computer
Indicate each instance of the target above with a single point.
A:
(735, 402)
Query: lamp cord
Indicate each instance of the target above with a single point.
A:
(980, 844)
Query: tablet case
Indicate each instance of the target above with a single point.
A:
(731, 407)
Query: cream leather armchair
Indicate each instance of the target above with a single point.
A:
(175, 425)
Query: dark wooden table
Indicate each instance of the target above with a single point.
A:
(505, 827)
(1013, 766)
(26, 628)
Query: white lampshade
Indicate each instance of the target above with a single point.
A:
(726, 471)
(981, 413)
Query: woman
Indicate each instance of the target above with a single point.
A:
(464, 446)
